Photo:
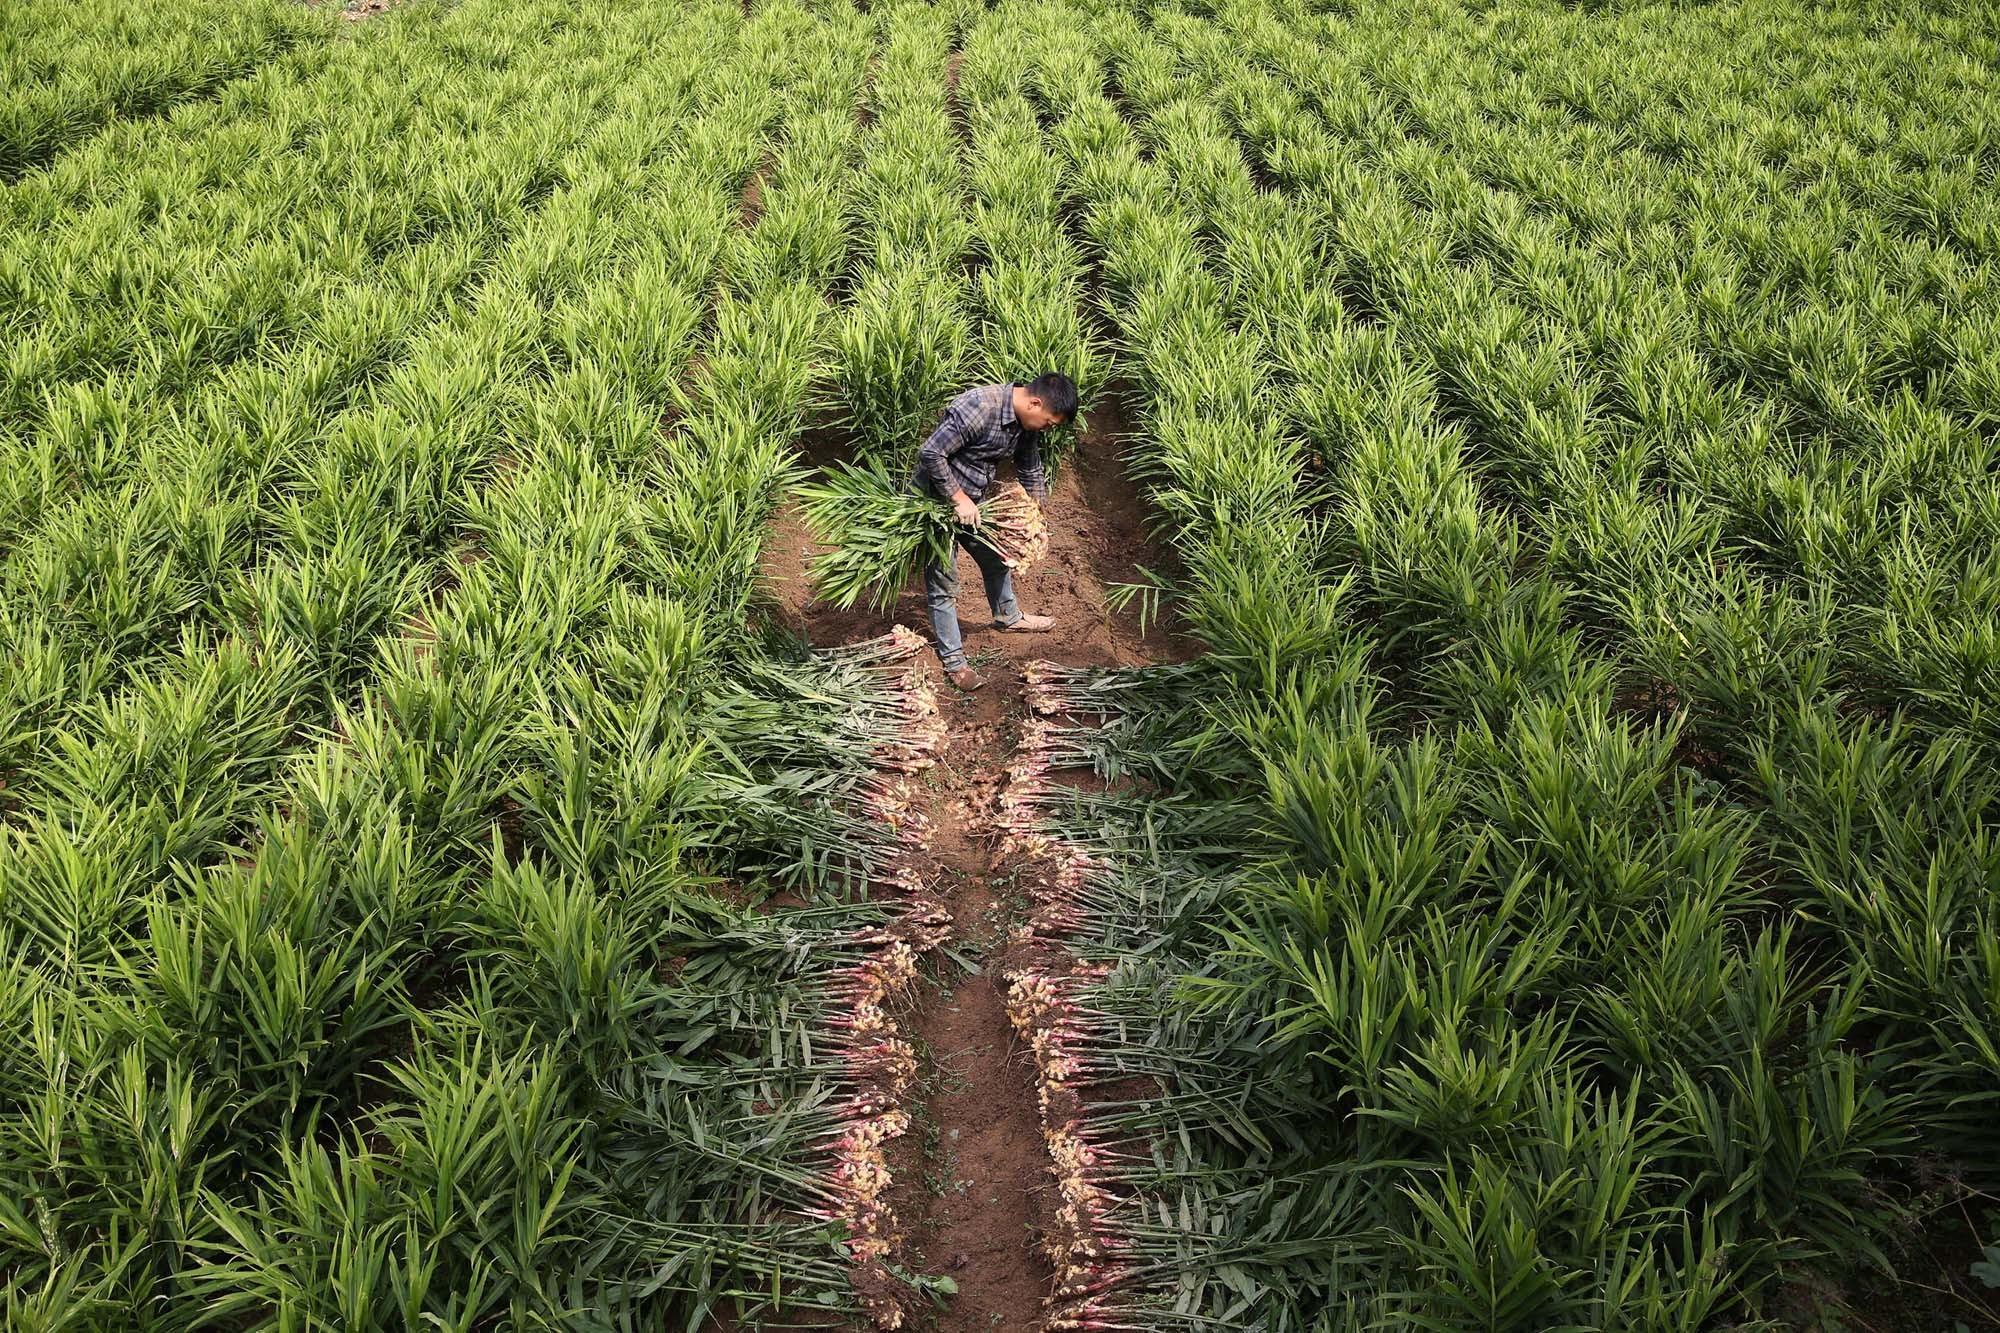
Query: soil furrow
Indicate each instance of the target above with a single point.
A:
(977, 1202)
(972, 1177)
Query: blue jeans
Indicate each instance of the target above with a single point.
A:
(941, 590)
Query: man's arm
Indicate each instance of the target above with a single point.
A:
(933, 460)
(1028, 466)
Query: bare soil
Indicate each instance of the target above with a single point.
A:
(978, 1199)
(955, 106)
(973, 1178)
(750, 205)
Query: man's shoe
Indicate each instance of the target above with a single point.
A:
(1027, 625)
(965, 678)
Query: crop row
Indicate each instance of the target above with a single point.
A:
(345, 182)
(1873, 527)
(967, 273)
(293, 494)
(901, 345)
(1781, 276)
(1558, 782)
(1033, 307)
(69, 68)
(340, 873)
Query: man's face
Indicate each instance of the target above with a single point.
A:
(1034, 416)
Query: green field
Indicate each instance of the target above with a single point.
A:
(1563, 891)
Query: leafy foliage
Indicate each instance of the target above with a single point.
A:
(1544, 844)
(1564, 897)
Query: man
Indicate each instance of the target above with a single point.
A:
(981, 427)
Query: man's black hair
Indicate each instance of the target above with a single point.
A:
(1057, 392)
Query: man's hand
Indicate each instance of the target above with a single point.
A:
(968, 512)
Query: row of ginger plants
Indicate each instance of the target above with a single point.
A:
(1587, 398)
(1873, 342)
(363, 959)
(1816, 619)
(288, 252)
(1598, 871)
(69, 70)
(964, 271)
(903, 341)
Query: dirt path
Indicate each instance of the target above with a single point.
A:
(978, 1200)
(972, 1182)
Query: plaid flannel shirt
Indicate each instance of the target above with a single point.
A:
(978, 430)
